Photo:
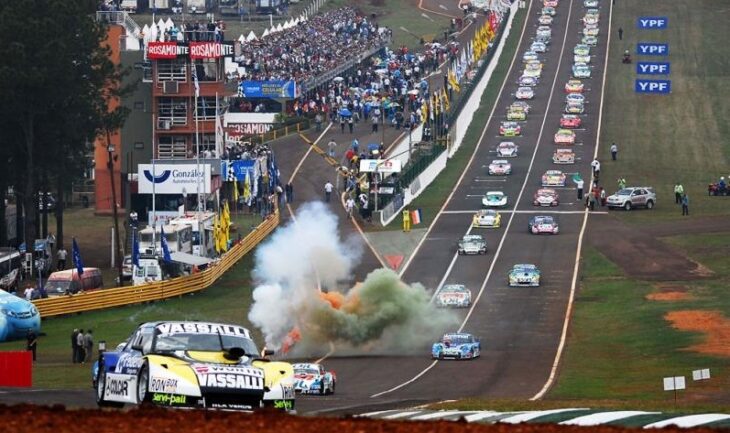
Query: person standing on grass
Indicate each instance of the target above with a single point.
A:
(81, 352)
(621, 183)
(614, 151)
(74, 346)
(88, 345)
(32, 343)
(620, 33)
(685, 205)
(678, 191)
(61, 259)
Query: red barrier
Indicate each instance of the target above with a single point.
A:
(16, 369)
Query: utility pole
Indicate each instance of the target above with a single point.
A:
(120, 259)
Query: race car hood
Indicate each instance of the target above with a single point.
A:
(276, 373)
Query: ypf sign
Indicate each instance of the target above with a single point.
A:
(652, 68)
(653, 86)
(652, 23)
(652, 49)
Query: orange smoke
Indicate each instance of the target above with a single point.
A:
(335, 299)
(291, 339)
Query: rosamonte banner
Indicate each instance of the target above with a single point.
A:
(193, 50)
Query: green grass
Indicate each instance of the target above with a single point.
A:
(682, 137)
(228, 300)
(621, 346)
(433, 197)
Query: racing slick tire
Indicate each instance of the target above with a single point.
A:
(101, 389)
(650, 204)
(143, 379)
(627, 206)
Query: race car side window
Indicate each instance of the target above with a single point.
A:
(133, 340)
(146, 335)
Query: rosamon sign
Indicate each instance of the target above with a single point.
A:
(236, 130)
(174, 178)
(194, 50)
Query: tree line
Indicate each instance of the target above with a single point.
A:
(56, 80)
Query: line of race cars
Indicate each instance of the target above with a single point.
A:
(189, 364)
(464, 345)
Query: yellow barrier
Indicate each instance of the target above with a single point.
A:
(120, 296)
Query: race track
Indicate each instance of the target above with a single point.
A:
(520, 328)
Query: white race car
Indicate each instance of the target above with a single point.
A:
(581, 70)
(546, 197)
(564, 136)
(500, 167)
(575, 98)
(507, 149)
(524, 93)
(453, 295)
(553, 178)
(529, 55)
(494, 199)
(578, 58)
(590, 31)
(591, 41)
(564, 156)
(545, 20)
(310, 378)
(544, 31)
(538, 47)
(528, 81)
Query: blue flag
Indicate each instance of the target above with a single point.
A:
(76, 255)
(165, 249)
(135, 249)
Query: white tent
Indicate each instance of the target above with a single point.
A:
(153, 33)
(241, 39)
(265, 34)
(161, 24)
(251, 36)
(296, 22)
(279, 28)
(169, 24)
(146, 33)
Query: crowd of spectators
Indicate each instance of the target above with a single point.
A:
(311, 48)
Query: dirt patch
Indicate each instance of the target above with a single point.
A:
(713, 324)
(640, 254)
(669, 296)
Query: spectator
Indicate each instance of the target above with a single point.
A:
(678, 192)
(596, 165)
(31, 343)
(614, 151)
(81, 348)
(289, 190)
(332, 145)
(328, 187)
(349, 206)
(685, 205)
(318, 122)
(61, 255)
(88, 345)
(74, 346)
(51, 240)
(28, 293)
(621, 183)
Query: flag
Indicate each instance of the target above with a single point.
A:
(219, 134)
(445, 99)
(165, 249)
(416, 216)
(135, 249)
(235, 191)
(453, 81)
(76, 254)
(195, 82)
(247, 188)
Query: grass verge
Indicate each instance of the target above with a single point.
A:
(228, 300)
(433, 197)
(681, 137)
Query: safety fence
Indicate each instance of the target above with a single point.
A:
(116, 297)
(280, 132)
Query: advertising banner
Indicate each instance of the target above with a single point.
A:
(652, 23)
(269, 89)
(236, 130)
(238, 168)
(174, 178)
(653, 86)
(652, 68)
(193, 50)
(380, 165)
(652, 49)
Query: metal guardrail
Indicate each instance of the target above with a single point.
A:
(120, 296)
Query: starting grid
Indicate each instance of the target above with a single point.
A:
(570, 416)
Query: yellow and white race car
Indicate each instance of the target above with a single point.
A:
(192, 365)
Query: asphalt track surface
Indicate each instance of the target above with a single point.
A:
(520, 328)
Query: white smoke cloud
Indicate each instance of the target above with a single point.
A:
(382, 309)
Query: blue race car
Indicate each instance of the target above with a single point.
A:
(457, 345)
(17, 317)
(524, 275)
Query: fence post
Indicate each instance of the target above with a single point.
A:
(286, 130)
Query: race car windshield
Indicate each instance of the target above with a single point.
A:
(203, 343)
(306, 371)
(458, 339)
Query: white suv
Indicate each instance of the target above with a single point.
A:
(632, 197)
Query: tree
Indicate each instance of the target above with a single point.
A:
(54, 72)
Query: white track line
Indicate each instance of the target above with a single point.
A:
(574, 283)
(540, 212)
(476, 148)
(474, 153)
(296, 169)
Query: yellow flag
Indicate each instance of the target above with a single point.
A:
(453, 81)
(235, 191)
(445, 98)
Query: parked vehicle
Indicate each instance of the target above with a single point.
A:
(69, 282)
